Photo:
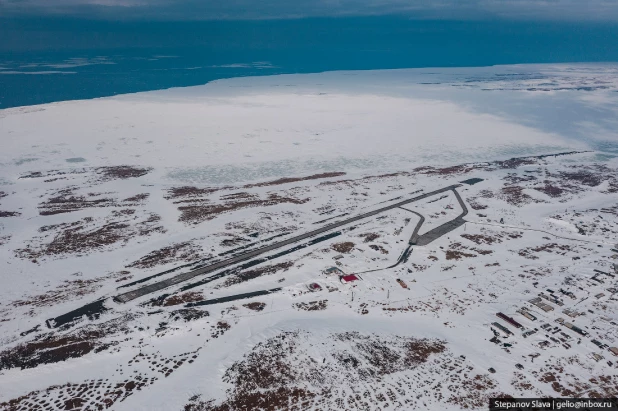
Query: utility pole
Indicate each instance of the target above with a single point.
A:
(352, 295)
(388, 295)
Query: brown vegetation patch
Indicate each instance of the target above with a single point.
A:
(385, 357)
(248, 275)
(378, 248)
(66, 201)
(240, 195)
(482, 239)
(514, 178)
(229, 242)
(516, 162)
(282, 398)
(312, 305)
(344, 247)
(521, 383)
(101, 394)
(51, 348)
(456, 251)
(515, 195)
(607, 384)
(287, 180)
(490, 237)
(220, 328)
(138, 198)
(443, 301)
(446, 171)
(185, 192)
(200, 211)
(477, 392)
(466, 168)
(369, 237)
(190, 194)
(548, 377)
(550, 189)
(55, 173)
(549, 248)
(9, 213)
(32, 354)
(188, 314)
(255, 306)
(486, 194)
(69, 290)
(586, 177)
(263, 369)
(613, 187)
(121, 172)
(564, 182)
(282, 372)
(188, 297)
(537, 271)
(457, 255)
(186, 251)
(88, 235)
(363, 180)
(475, 204)
(75, 396)
(418, 351)
(264, 225)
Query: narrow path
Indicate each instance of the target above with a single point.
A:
(414, 237)
(514, 227)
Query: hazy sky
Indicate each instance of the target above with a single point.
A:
(573, 10)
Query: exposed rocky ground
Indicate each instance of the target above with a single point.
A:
(316, 343)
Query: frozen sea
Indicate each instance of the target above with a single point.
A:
(371, 121)
(45, 60)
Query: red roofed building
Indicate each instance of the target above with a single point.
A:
(349, 278)
(510, 320)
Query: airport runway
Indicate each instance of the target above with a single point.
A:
(151, 288)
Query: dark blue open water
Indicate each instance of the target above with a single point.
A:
(46, 60)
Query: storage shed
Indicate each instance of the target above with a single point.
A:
(349, 278)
